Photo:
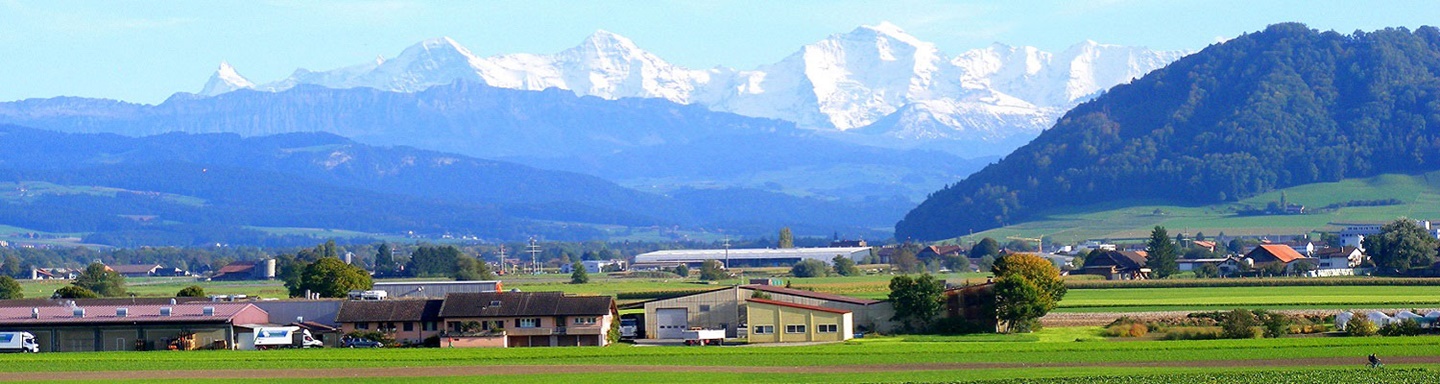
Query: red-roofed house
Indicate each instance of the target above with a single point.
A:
(1265, 256)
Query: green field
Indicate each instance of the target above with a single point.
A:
(1049, 355)
(1134, 219)
(1213, 298)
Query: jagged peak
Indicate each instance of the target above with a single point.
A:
(887, 29)
(602, 39)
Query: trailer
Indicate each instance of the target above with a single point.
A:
(18, 342)
(704, 336)
(285, 337)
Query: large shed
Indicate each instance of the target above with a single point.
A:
(783, 257)
(726, 308)
(124, 327)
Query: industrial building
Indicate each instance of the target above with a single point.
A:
(434, 289)
(773, 321)
(108, 325)
(747, 258)
(727, 308)
(247, 270)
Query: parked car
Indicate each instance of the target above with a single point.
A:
(362, 343)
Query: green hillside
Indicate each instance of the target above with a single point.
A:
(1134, 218)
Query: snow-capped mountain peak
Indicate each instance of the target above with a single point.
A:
(877, 77)
(224, 80)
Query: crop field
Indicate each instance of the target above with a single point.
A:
(1133, 299)
(1134, 219)
(1049, 355)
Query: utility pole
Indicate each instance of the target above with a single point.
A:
(501, 262)
(534, 250)
(727, 253)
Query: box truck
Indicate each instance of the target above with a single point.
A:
(285, 337)
(20, 342)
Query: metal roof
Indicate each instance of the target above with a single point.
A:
(697, 255)
(97, 314)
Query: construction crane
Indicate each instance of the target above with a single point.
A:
(1039, 242)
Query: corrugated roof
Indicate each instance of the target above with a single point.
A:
(1278, 252)
(800, 306)
(810, 294)
(389, 310)
(134, 268)
(694, 255)
(514, 304)
(101, 314)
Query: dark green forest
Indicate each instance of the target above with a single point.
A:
(1282, 107)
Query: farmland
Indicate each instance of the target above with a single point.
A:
(1048, 355)
(1420, 195)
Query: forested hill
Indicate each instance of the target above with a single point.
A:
(1282, 107)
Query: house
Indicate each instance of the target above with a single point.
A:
(247, 270)
(726, 308)
(1186, 265)
(136, 270)
(1338, 261)
(1269, 254)
(1116, 265)
(526, 319)
(1204, 244)
(936, 252)
(408, 321)
(41, 274)
(127, 325)
(773, 321)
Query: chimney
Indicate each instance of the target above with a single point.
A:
(122, 312)
(35, 313)
(172, 301)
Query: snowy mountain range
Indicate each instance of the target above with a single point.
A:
(875, 83)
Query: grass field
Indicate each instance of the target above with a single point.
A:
(1129, 299)
(1134, 219)
(1053, 354)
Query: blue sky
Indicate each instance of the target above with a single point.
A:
(143, 51)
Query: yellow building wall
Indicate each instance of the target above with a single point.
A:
(780, 316)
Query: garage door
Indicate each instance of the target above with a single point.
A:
(671, 323)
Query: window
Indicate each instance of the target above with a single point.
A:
(533, 322)
(764, 329)
(409, 326)
(828, 328)
(795, 328)
(704, 307)
(362, 325)
(454, 326)
(430, 326)
(583, 321)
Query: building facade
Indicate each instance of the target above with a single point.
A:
(773, 321)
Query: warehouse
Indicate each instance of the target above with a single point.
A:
(773, 321)
(726, 309)
(434, 289)
(67, 327)
(747, 258)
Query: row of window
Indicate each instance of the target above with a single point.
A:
(796, 328)
(405, 326)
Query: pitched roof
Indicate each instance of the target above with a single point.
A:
(514, 304)
(237, 267)
(1331, 252)
(1265, 253)
(800, 306)
(1204, 243)
(810, 294)
(180, 313)
(1125, 260)
(389, 310)
(943, 249)
(113, 301)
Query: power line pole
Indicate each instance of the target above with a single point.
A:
(534, 250)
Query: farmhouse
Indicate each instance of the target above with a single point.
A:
(1269, 254)
(105, 325)
(1116, 265)
(1338, 261)
(773, 321)
(247, 270)
(408, 321)
(750, 258)
(135, 270)
(726, 308)
(526, 319)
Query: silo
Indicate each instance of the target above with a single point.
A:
(269, 268)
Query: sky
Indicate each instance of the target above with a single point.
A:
(144, 51)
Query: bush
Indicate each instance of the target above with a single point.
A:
(1361, 326)
(1407, 327)
(191, 291)
(1126, 330)
(1239, 324)
(810, 268)
(1193, 333)
(381, 337)
(1276, 325)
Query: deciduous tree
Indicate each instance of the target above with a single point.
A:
(331, 277)
(810, 268)
(917, 300)
(101, 280)
(1400, 246)
(1027, 287)
(787, 239)
(191, 291)
(844, 266)
(10, 289)
(711, 270)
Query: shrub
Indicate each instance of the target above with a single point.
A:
(381, 337)
(1361, 326)
(1239, 324)
(1126, 330)
(1276, 325)
(1192, 333)
(1407, 327)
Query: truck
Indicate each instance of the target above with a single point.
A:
(285, 337)
(695, 336)
(628, 326)
(18, 342)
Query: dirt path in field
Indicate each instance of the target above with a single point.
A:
(489, 370)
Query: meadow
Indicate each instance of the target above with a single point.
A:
(1134, 219)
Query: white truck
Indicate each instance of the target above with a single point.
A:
(628, 328)
(704, 336)
(19, 342)
(285, 337)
